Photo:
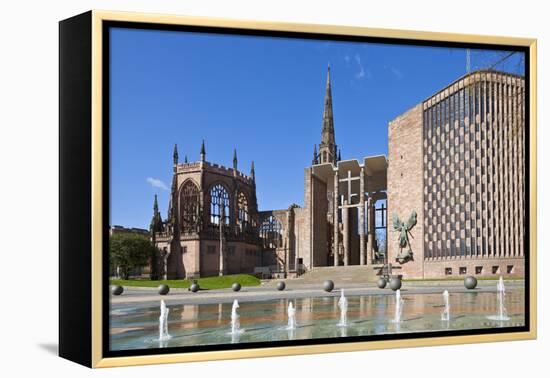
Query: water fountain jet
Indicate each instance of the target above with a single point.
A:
(235, 322)
(501, 293)
(398, 306)
(291, 311)
(343, 305)
(446, 314)
(163, 322)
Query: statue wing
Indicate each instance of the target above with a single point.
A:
(412, 221)
(396, 223)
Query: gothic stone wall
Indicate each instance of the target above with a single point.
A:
(275, 257)
(240, 257)
(312, 235)
(300, 218)
(405, 186)
(319, 222)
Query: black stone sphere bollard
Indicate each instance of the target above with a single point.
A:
(194, 287)
(236, 286)
(395, 283)
(381, 283)
(117, 289)
(470, 282)
(163, 289)
(281, 285)
(328, 285)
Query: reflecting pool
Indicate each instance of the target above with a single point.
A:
(192, 324)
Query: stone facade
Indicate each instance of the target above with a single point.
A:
(204, 197)
(464, 147)
(405, 186)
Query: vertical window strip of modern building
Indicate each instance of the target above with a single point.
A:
(485, 189)
(425, 136)
(475, 174)
(428, 181)
(496, 189)
(524, 136)
(515, 172)
(484, 171)
(490, 160)
(442, 132)
(521, 181)
(507, 136)
(509, 213)
(500, 128)
(511, 168)
(517, 169)
(425, 133)
(504, 170)
(436, 130)
(498, 158)
(471, 165)
(473, 199)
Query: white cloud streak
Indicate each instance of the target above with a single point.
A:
(397, 73)
(362, 73)
(156, 183)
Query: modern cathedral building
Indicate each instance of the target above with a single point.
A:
(456, 160)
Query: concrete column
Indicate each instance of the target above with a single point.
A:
(370, 209)
(345, 232)
(336, 240)
(362, 218)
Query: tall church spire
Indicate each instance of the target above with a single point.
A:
(327, 148)
(235, 159)
(155, 206)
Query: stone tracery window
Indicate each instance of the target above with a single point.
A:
(242, 211)
(219, 205)
(190, 207)
(271, 232)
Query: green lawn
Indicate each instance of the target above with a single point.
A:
(204, 283)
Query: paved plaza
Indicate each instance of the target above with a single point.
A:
(146, 297)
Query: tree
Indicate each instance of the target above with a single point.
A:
(127, 251)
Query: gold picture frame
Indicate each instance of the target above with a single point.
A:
(91, 25)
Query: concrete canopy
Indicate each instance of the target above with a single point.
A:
(375, 175)
(376, 168)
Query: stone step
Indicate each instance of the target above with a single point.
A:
(351, 273)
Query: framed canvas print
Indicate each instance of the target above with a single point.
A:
(234, 189)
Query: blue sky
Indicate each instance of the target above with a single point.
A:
(263, 96)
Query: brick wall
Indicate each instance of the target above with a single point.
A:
(405, 186)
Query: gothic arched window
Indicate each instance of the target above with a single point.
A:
(242, 211)
(219, 205)
(190, 207)
(271, 232)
